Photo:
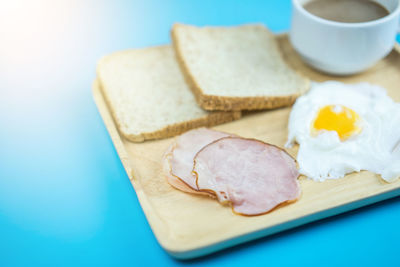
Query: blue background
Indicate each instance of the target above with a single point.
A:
(65, 199)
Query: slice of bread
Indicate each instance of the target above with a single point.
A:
(235, 68)
(148, 96)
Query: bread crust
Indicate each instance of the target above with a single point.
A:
(227, 103)
(171, 130)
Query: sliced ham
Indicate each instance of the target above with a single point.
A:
(178, 159)
(253, 176)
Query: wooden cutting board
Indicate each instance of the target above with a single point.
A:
(188, 225)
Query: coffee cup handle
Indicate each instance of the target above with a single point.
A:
(398, 28)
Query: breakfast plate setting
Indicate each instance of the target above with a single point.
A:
(229, 134)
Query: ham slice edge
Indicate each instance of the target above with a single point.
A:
(245, 199)
(178, 159)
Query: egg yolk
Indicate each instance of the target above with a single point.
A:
(338, 118)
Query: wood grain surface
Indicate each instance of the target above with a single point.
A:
(189, 225)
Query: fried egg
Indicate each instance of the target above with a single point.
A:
(343, 128)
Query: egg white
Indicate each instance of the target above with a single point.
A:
(376, 148)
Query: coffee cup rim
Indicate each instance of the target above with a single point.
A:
(347, 24)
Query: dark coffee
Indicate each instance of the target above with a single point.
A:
(346, 10)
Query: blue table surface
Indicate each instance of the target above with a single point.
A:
(65, 199)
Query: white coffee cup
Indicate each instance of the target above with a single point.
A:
(343, 48)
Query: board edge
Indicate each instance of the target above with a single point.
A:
(190, 254)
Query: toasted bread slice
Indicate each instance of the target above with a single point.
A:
(235, 68)
(148, 96)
